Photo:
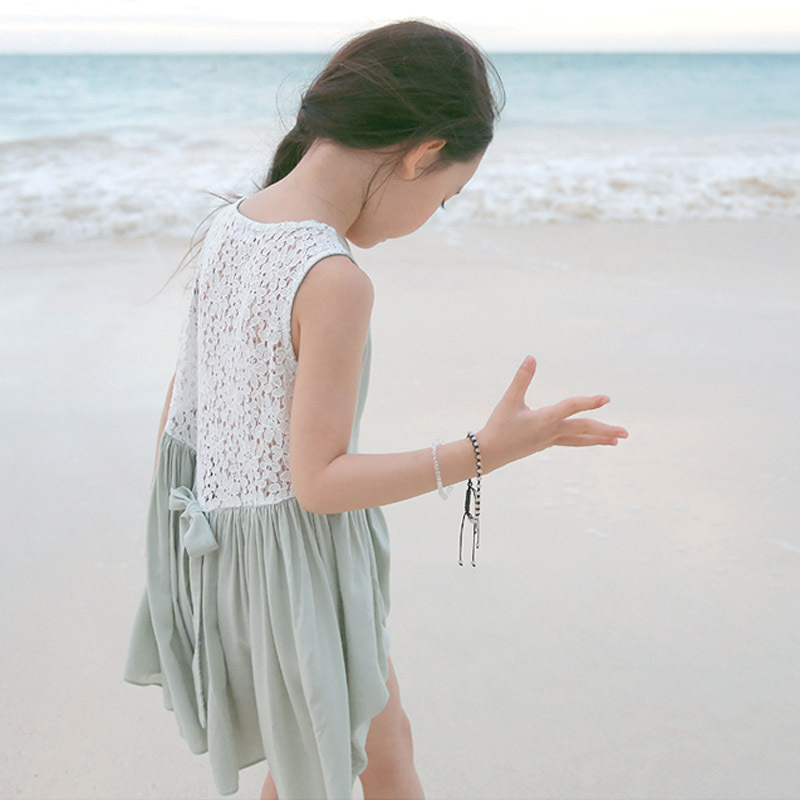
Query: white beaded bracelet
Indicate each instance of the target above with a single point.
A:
(444, 493)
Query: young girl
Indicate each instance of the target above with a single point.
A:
(267, 587)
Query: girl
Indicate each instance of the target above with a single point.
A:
(267, 592)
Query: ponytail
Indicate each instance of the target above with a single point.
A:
(290, 150)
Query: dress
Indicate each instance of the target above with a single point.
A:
(264, 623)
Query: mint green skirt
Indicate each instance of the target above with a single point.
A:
(265, 627)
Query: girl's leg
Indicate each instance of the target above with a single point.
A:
(269, 792)
(390, 772)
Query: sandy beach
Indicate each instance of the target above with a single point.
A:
(631, 629)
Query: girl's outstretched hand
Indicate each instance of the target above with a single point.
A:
(514, 431)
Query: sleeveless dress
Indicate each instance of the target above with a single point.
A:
(264, 623)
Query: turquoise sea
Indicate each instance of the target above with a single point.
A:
(134, 145)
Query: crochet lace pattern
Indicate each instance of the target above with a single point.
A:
(236, 368)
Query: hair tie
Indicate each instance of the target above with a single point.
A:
(301, 125)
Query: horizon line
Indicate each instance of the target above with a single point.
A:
(489, 51)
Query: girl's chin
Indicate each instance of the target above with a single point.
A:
(366, 245)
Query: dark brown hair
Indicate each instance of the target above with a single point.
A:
(391, 88)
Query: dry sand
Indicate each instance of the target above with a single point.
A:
(632, 628)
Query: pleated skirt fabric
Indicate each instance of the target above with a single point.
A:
(265, 626)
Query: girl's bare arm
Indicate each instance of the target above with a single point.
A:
(163, 424)
(333, 306)
(361, 480)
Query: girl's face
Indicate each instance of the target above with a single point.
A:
(408, 199)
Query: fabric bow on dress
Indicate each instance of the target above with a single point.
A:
(197, 539)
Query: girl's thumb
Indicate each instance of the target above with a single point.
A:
(522, 378)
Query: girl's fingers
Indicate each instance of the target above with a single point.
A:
(584, 426)
(574, 405)
(584, 441)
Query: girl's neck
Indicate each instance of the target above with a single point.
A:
(328, 185)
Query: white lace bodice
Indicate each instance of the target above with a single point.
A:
(235, 373)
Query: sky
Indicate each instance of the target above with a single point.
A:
(142, 26)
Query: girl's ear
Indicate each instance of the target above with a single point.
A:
(420, 157)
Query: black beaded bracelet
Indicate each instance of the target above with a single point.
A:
(474, 514)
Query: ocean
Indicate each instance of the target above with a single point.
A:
(95, 146)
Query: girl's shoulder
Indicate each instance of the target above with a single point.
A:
(286, 242)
